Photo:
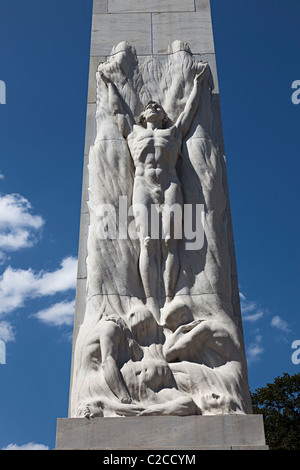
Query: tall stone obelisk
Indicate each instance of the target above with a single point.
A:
(158, 351)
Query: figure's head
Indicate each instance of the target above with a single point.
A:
(143, 326)
(178, 315)
(154, 113)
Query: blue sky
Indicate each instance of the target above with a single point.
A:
(44, 59)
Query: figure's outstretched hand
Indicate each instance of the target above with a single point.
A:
(187, 327)
(200, 76)
(105, 78)
(128, 409)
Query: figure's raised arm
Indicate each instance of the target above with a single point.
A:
(185, 119)
(117, 106)
(110, 338)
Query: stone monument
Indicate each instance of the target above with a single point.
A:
(158, 354)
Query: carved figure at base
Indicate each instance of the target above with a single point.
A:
(144, 384)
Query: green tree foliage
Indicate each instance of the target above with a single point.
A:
(279, 403)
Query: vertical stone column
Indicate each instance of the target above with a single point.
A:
(150, 26)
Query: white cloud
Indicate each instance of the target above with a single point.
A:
(60, 280)
(247, 305)
(61, 313)
(253, 317)
(18, 285)
(15, 212)
(281, 324)
(255, 350)
(15, 240)
(28, 446)
(6, 332)
(250, 309)
(18, 226)
(242, 297)
(1, 175)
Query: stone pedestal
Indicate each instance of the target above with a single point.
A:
(219, 432)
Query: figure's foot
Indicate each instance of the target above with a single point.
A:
(90, 410)
(126, 400)
(87, 413)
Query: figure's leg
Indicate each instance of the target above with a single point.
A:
(149, 272)
(172, 232)
(171, 268)
(104, 406)
(182, 406)
(146, 264)
(115, 380)
(149, 265)
(110, 337)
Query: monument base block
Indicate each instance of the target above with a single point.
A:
(218, 432)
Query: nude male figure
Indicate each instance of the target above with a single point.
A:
(155, 146)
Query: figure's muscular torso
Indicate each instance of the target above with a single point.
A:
(155, 153)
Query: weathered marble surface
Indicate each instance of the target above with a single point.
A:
(158, 340)
(119, 6)
(223, 432)
(151, 25)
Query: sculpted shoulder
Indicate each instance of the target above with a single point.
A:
(139, 132)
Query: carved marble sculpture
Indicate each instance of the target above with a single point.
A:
(162, 331)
